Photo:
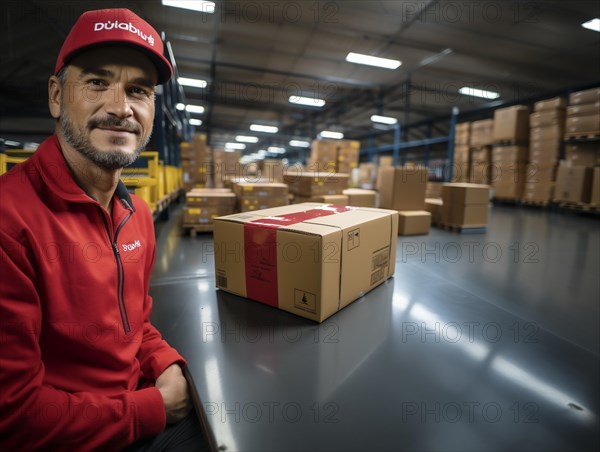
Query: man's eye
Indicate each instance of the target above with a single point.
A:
(97, 82)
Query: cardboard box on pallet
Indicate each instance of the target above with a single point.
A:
(256, 196)
(367, 175)
(311, 184)
(538, 192)
(434, 207)
(308, 259)
(547, 133)
(588, 124)
(414, 222)
(573, 184)
(546, 118)
(402, 188)
(465, 204)
(550, 104)
(203, 205)
(509, 154)
(508, 179)
(226, 166)
(434, 190)
(588, 96)
(462, 133)
(511, 124)
(361, 198)
(540, 173)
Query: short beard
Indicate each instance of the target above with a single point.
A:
(107, 160)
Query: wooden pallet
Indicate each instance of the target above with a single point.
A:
(591, 136)
(531, 203)
(507, 143)
(194, 229)
(511, 201)
(461, 229)
(580, 207)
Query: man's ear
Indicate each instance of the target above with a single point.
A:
(54, 96)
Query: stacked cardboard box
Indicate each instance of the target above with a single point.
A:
(546, 123)
(434, 207)
(386, 160)
(226, 165)
(358, 197)
(196, 163)
(465, 205)
(480, 165)
(481, 133)
(309, 184)
(583, 114)
(573, 184)
(403, 189)
(334, 155)
(367, 175)
(583, 153)
(204, 204)
(460, 169)
(261, 195)
(510, 151)
(272, 169)
(288, 261)
(434, 190)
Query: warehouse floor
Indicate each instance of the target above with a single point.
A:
(541, 266)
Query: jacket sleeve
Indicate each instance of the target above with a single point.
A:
(35, 415)
(155, 354)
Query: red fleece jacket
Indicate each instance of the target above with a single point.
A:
(78, 355)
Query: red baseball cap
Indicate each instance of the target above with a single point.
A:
(114, 26)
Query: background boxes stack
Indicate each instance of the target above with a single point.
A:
(261, 195)
(403, 189)
(316, 184)
(583, 114)
(202, 205)
(367, 175)
(465, 205)
(573, 184)
(271, 169)
(480, 168)
(510, 151)
(460, 171)
(226, 165)
(339, 156)
(360, 197)
(546, 125)
(196, 163)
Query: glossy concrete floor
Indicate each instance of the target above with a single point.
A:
(480, 342)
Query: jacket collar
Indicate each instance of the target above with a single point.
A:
(54, 170)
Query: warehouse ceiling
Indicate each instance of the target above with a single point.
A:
(256, 54)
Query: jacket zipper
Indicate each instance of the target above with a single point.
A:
(120, 271)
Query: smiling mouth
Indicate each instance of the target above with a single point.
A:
(117, 131)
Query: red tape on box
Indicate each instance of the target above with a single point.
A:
(260, 250)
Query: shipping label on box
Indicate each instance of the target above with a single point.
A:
(308, 259)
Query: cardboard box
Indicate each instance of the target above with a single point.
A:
(340, 200)
(307, 259)
(511, 124)
(434, 189)
(386, 160)
(546, 118)
(256, 196)
(588, 96)
(547, 133)
(472, 215)
(573, 184)
(481, 132)
(540, 173)
(583, 124)
(509, 154)
(367, 175)
(434, 207)
(402, 188)
(461, 193)
(361, 198)
(595, 198)
(538, 192)
(583, 154)
(584, 109)
(414, 222)
(508, 191)
(311, 184)
(203, 205)
(550, 104)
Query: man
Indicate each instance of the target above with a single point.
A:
(81, 367)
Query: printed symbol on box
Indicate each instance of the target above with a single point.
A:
(353, 239)
(305, 300)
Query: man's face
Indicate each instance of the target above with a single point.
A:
(107, 105)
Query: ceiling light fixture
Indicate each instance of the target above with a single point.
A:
(266, 129)
(193, 82)
(300, 143)
(194, 5)
(475, 92)
(332, 135)
(276, 150)
(593, 24)
(235, 146)
(195, 122)
(246, 139)
(384, 119)
(180, 106)
(309, 101)
(369, 60)
(194, 109)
